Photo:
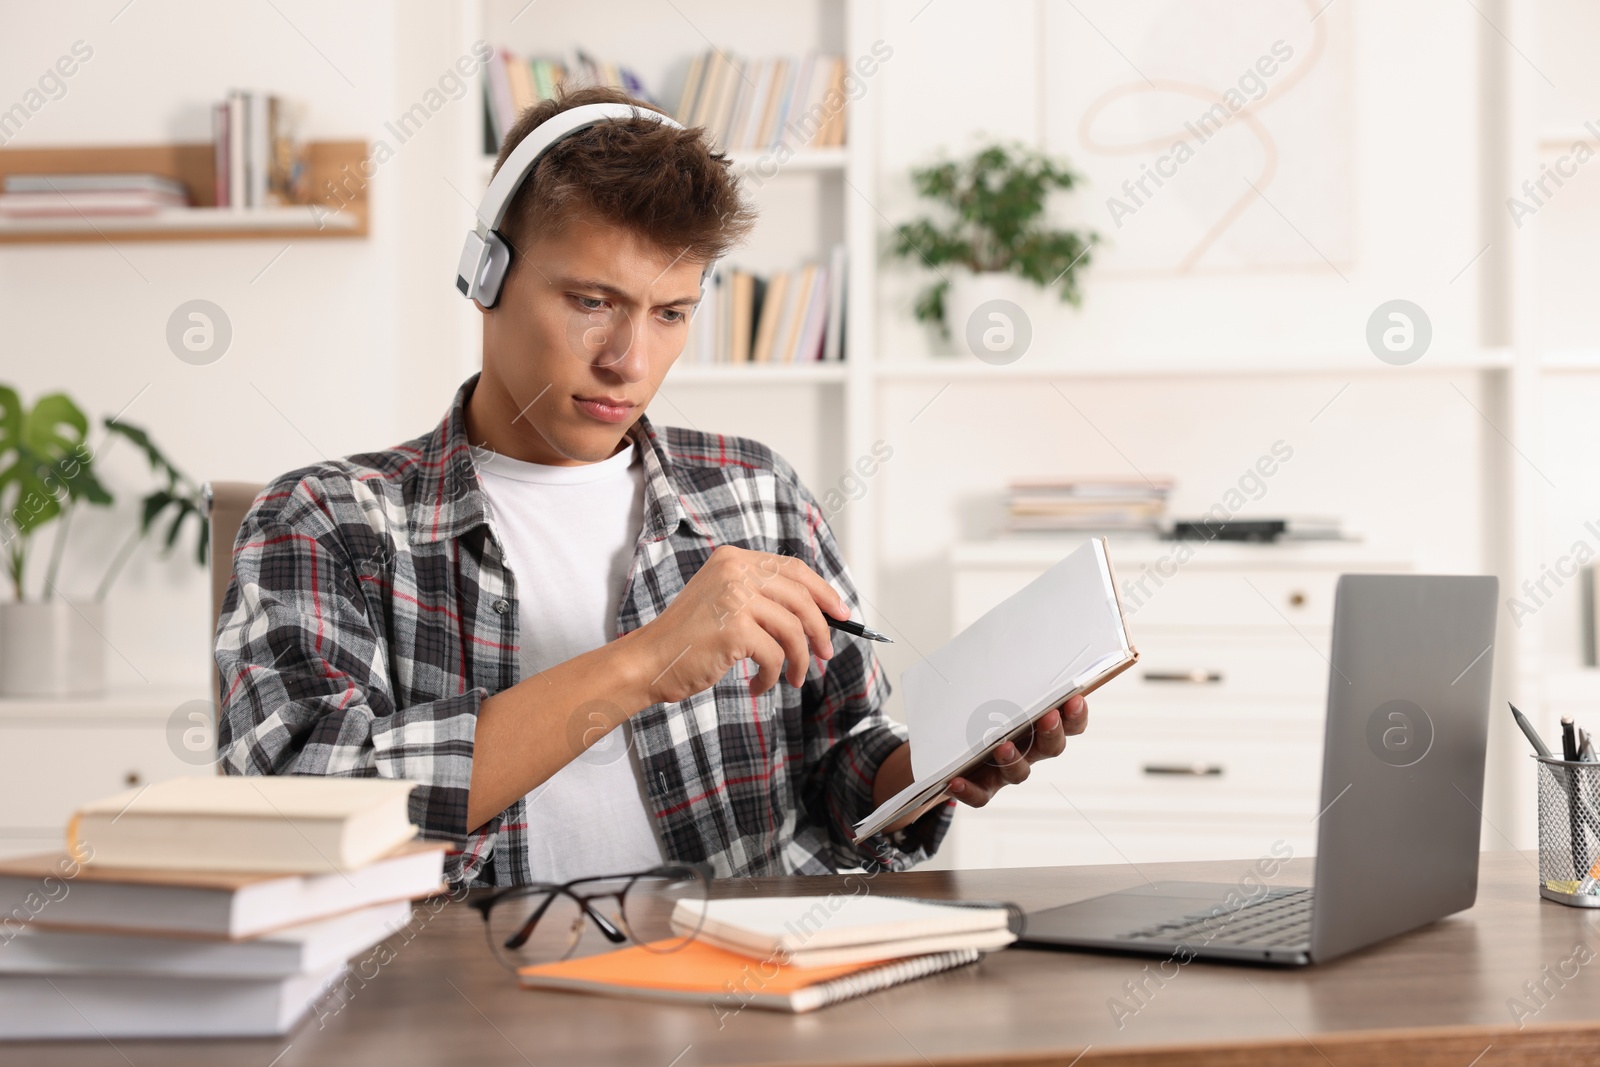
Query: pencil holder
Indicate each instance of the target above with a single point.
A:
(1569, 832)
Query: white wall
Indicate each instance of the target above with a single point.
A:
(1396, 455)
(338, 345)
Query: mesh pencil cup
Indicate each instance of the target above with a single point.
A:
(1569, 832)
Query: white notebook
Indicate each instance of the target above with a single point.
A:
(1062, 634)
(842, 928)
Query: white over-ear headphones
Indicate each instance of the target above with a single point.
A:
(486, 256)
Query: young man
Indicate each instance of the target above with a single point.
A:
(598, 644)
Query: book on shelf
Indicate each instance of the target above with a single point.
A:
(699, 973)
(291, 823)
(761, 104)
(259, 153)
(516, 82)
(809, 932)
(791, 316)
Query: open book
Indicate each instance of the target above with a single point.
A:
(1061, 635)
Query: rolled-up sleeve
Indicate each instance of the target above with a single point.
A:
(305, 678)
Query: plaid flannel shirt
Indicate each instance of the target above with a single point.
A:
(372, 611)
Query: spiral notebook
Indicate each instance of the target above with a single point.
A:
(700, 973)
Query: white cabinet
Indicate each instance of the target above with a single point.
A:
(58, 754)
(1210, 746)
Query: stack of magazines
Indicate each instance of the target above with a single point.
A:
(1122, 506)
(41, 196)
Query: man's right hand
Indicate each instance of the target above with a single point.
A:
(741, 605)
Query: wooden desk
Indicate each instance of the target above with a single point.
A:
(1436, 996)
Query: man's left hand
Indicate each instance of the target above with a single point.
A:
(1011, 764)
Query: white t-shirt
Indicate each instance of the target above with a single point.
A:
(569, 535)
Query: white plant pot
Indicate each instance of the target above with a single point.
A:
(969, 292)
(52, 649)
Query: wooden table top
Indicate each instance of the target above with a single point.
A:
(1439, 995)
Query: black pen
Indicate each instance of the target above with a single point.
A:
(1569, 743)
(856, 629)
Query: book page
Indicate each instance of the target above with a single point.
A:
(1063, 627)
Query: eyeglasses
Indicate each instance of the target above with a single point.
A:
(542, 923)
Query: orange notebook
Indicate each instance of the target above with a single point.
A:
(701, 973)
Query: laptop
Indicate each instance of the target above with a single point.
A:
(1402, 795)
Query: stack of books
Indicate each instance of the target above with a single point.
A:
(207, 907)
(794, 316)
(516, 83)
(1121, 506)
(42, 196)
(260, 156)
(760, 104)
(792, 954)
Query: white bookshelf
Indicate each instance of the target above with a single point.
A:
(812, 210)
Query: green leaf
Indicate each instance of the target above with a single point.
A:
(184, 511)
(993, 205)
(151, 508)
(141, 440)
(45, 461)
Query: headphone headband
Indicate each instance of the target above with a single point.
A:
(486, 256)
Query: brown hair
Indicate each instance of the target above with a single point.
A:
(664, 183)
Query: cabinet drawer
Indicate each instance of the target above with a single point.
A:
(47, 771)
(1179, 670)
(1195, 595)
(1267, 600)
(1251, 774)
(977, 841)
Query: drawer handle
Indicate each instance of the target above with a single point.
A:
(1198, 676)
(1185, 770)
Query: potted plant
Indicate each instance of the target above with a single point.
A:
(992, 238)
(49, 645)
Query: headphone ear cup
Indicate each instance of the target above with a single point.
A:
(496, 262)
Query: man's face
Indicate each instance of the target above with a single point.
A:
(588, 323)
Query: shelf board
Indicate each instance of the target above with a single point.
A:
(1570, 359)
(332, 165)
(968, 368)
(1044, 550)
(1565, 138)
(756, 373)
(804, 161)
(210, 223)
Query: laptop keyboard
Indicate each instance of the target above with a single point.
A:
(1280, 919)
